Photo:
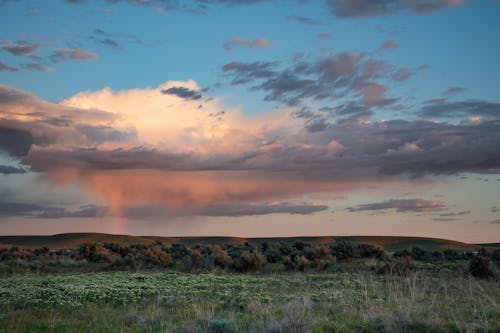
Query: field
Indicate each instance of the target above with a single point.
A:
(224, 285)
(168, 301)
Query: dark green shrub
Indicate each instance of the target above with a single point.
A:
(420, 254)
(495, 257)
(343, 251)
(480, 268)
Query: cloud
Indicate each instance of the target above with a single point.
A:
(247, 72)
(151, 212)
(170, 152)
(10, 208)
(113, 41)
(62, 54)
(261, 209)
(402, 74)
(86, 211)
(253, 44)
(369, 8)
(8, 169)
(462, 109)
(374, 95)
(18, 209)
(26, 120)
(183, 92)
(325, 36)
(445, 219)
(6, 68)
(303, 20)
(466, 212)
(328, 79)
(495, 221)
(21, 49)
(402, 205)
(14, 141)
(33, 66)
(389, 44)
(454, 90)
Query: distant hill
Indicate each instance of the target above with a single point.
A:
(388, 243)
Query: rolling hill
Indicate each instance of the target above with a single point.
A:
(388, 243)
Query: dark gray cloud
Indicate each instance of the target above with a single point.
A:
(329, 79)
(9, 169)
(183, 92)
(86, 211)
(21, 48)
(62, 54)
(466, 212)
(261, 209)
(370, 8)
(462, 109)
(242, 72)
(233, 210)
(402, 205)
(497, 221)
(10, 208)
(6, 68)
(113, 41)
(18, 209)
(14, 141)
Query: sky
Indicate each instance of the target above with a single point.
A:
(251, 118)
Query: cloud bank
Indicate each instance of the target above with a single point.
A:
(173, 147)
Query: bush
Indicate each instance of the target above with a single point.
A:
(480, 267)
(221, 326)
(343, 251)
(495, 257)
(249, 261)
(400, 266)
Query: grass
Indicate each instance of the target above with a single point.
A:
(169, 301)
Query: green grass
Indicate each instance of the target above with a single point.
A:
(303, 302)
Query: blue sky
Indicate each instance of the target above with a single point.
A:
(356, 102)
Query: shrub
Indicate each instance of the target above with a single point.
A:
(480, 267)
(249, 261)
(220, 256)
(221, 326)
(343, 251)
(495, 257)
(400, 266)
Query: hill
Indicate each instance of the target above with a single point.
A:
(388, 243)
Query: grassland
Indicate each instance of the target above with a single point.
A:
(168, 301)
(224, 285)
